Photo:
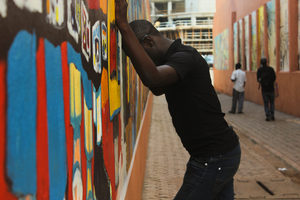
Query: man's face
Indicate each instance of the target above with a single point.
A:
(152, 48)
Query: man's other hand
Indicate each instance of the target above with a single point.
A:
(121, 12)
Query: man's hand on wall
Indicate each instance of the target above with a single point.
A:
(121, 13)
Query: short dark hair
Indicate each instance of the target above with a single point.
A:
(263, 62)
(142, 28)
(238, 66)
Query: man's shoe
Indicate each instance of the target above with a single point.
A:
(230, 111)
(240, 112)
(273, 118)
(268, 119)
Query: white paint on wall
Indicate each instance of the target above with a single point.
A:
(3, 8)
(31, 5)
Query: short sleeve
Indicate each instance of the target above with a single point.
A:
(233, 76)
(182, 62)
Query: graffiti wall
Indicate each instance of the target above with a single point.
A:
(221, 49)
(70, 102)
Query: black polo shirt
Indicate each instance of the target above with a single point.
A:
(194, 105)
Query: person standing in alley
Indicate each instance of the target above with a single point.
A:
(266, 78)
(238, 76)
(169, 67)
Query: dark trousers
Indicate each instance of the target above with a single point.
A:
(269, 98)
(210, 178)
(237, 97)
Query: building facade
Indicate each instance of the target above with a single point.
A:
(190, 20)
(246, 31)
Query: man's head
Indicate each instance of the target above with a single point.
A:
(238, 66)
(263, 62)
(150, 38)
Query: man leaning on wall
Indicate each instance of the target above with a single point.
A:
(181, 73)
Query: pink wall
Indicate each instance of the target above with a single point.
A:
(230, 11)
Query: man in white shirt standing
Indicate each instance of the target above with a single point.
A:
(238, 76)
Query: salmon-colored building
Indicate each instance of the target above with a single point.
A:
(244, 31)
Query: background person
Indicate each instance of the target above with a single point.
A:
(266, 78)
(238, 76)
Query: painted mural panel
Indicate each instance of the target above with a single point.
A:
(271, 13)
(221, 51)
(284, 36)
(241, 47)
(65, 133)
(261, 32)
(235, 42)
(247, 46)
(254, 41)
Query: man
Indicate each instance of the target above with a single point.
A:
(238, 76)
(178, 71)
(266, 78)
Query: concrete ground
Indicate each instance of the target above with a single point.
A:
(270, 162)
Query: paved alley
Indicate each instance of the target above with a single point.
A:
(270, 163)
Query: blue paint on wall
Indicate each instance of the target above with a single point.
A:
(74, 57)
(56, 123)
(21, 114)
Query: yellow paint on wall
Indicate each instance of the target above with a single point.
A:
(114, 87)
(88, 131)
(128, 81)
(57, 13)
(261, 22)
(75, 91)
(89, 181)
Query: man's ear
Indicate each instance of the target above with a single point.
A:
(148, 41)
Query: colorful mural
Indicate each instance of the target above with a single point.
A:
(71, 104)
(221, 51)
(254, 41)
(271, 11)
(235, 42)
(284, 36)
(261, 32)
(247, 47)
(241, 48)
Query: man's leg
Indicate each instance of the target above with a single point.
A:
(198, 181)
(272, 105)
(266, 105)
(241, 102)
(210, 178)
(229, 164)
(234, 101)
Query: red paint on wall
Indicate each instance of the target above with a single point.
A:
(94, 4)
(107, 136)
(4, 188)
(113, 54)
(42, 126)
(82, 149)
(69, 129)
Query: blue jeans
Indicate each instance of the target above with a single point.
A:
(269, 98)
(237, 97)
(210, 178)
